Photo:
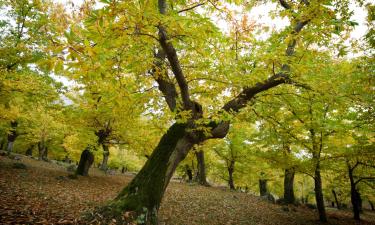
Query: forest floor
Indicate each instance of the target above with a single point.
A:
(41, 193)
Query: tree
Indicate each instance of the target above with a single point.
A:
(153, 46)
(23, 81)
(233, 151)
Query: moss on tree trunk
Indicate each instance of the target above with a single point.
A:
(140, 201)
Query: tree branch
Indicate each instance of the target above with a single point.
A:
(284, 4)
(364, 178)
(171, 54)
(191, 7)
(165, 85)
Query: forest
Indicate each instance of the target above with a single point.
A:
(187, 112)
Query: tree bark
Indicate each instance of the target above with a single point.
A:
(288, 186)
(201, 175)
(142, 197)
(263, 187)
(104, 165)
(85, 162)
(230, 175)
(336, 200)
(319, 195)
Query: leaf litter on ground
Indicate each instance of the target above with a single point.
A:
(43, 194)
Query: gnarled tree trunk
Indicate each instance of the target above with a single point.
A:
(288, 186)
(142, 197)
(201, 175)
(85, 162)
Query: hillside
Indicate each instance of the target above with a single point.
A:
(42, 194)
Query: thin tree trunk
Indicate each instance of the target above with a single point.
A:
(85, 162)
(288, 186)
(230, 175)
(45, 154)
(104, 165)
(319, 194)
(12, 137)
(263, 187)
(41, 150)
(372, 205)
(29, 151)
(189, 173)
(142, 197)
(2, 143)
(354, 194)
(336, 200)
(10, 147)
(201, 175)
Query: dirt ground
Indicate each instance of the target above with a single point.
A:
(43, 194)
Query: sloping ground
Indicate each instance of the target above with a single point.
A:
(42, 194)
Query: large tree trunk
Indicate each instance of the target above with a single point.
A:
(142, 197)
(319, 194)
(288, 186)
(104, 165)
(263, 187)
(87, 158)
(201, 175)
(336, 200)
(230, 175)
